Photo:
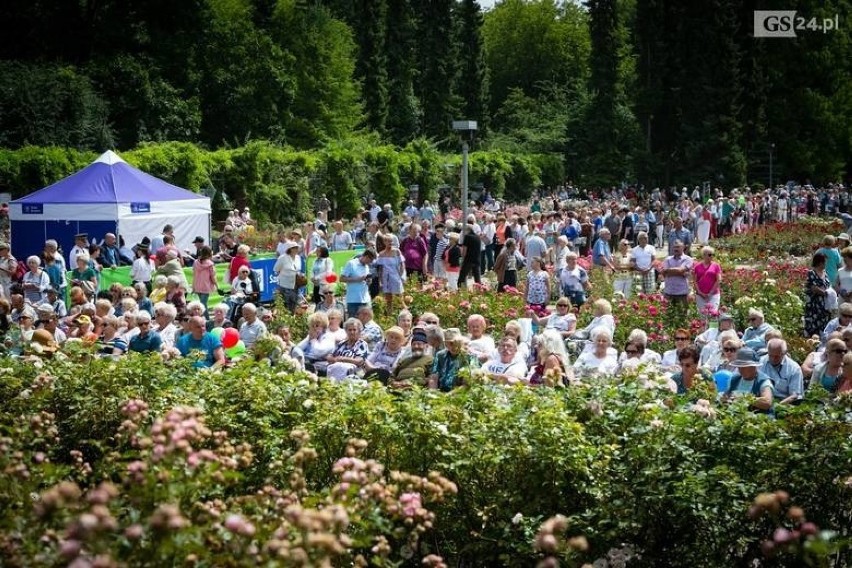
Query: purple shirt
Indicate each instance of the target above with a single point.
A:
(677, 285)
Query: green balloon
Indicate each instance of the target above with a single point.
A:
(236, 350)
(217, 332)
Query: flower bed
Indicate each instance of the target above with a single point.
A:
(145, 463)
(778, 240)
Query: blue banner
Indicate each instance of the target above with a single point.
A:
(32, 208)
(142, 207)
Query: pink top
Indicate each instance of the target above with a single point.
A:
(707, 277)
(203, 277)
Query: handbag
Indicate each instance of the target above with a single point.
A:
(301, 280)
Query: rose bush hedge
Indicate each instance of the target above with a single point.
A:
(97, 456)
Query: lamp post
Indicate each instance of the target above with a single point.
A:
(771, 152)
(464, 127)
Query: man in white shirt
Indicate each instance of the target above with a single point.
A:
(252, 328)
(479, 345)
(487, 237)
(506, 369)
(642, 262)
(340, 239)
(81, 246)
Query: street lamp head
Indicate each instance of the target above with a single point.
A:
(464, 125)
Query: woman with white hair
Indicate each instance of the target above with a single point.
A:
(599, 360)
(603, 319)
(318, 344)
(552, 361)
(638, 340)
(348, 355)
(754, 336)
(35, 282)
(165, 315)
(219, 317)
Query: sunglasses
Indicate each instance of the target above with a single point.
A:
(561, 305)
(631, 351)
(430, 322)
(681, 339)
(840, 351)
(729, 349)
(328, 294)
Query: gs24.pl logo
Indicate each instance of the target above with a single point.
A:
(785, 23)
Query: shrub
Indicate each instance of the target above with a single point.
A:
(115, 450)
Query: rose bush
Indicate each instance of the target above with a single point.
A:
(149, 462)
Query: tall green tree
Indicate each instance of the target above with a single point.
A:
(530, 45)
(326, 103)
(437, 84)
(609, 131)
(473, 84)
(247, 78)
(52, 106)
(404, 111)
(371, 66)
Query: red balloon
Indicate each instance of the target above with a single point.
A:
(331, 278)
(230, 338)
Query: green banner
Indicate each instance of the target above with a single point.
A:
(121, 274)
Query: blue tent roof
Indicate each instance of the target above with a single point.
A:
(109, 179)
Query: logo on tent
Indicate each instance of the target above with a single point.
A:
(140, 207)
(32, 209)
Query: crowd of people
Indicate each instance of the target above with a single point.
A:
(550, 255)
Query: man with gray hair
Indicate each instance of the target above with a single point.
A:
(147, 340)
(252, 328)
(535, 246)
(786, 374)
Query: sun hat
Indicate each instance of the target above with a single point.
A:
(290, 245)
(844, 236)
(453, 335)
(83, 319)
(726, 317)
(45, 339)
(746, 357)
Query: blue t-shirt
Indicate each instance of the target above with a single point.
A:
(356, 292)
(207, 344)
(151, 342)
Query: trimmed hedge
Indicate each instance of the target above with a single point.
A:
(282, 184)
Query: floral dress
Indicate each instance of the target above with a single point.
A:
(537, 287)
(816, 316)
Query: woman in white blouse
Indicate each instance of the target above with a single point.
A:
(35, 281)
(600, 360)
